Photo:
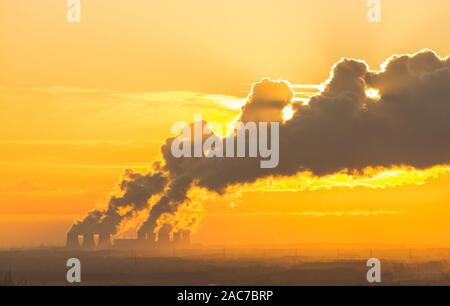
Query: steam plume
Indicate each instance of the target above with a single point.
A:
(340, 129)
(137, 190)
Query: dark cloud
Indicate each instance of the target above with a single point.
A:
(266, 101)
(341, 129)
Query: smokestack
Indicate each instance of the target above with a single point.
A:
(104, 241)
(88, 241)
(72, 241)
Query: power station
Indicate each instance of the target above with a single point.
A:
(103, 241)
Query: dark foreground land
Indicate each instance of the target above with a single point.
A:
(48, 267)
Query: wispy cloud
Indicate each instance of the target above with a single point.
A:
(185, 99)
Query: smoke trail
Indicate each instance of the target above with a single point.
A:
(137, 190)
(342, 129)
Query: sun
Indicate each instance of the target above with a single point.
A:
(373, 93)
(288, 113)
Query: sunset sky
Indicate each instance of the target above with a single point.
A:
(80, 103)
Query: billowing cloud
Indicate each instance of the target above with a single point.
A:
(340, 129)
(266, 101)
(137, 189)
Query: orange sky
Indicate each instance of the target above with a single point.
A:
(79, 103)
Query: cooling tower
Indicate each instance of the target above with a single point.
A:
(186, 237)
(141, 235)
(104, 241)
(151, 237)
(72, 241)
(164, 235)
(88, 241)
(177, 237)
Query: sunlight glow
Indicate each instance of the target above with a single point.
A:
(373, 93)
(228, 101)
(374, 178)
(288, 113)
